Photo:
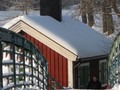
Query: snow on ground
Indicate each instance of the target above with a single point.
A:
(116, 87)
(6, 16)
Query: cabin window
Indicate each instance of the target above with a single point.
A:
(103, 72)
(83, 75)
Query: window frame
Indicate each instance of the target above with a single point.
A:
(100, 62)
(83, 65)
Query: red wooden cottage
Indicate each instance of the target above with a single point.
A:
(73, 50)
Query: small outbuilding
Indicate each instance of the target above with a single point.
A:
(74, 51)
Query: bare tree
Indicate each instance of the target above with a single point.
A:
(83, 11)
(24, 5)
(88, 8)
(90, 12)
(108, 25)
(4, 4)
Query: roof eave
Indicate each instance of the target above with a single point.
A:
(105, 56)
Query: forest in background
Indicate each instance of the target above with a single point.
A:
(30, 4)
(105, 12)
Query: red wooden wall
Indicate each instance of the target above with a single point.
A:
(57, 64)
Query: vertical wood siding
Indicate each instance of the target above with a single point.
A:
(57, 64)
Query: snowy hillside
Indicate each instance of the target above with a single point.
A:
(6, 16)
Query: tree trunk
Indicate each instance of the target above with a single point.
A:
(26, 7)
(83, 10)
(84, 18)
(90, 19)
(90, 13)
(108, 25)
(104, 16)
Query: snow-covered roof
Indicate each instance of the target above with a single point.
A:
(71, 34)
